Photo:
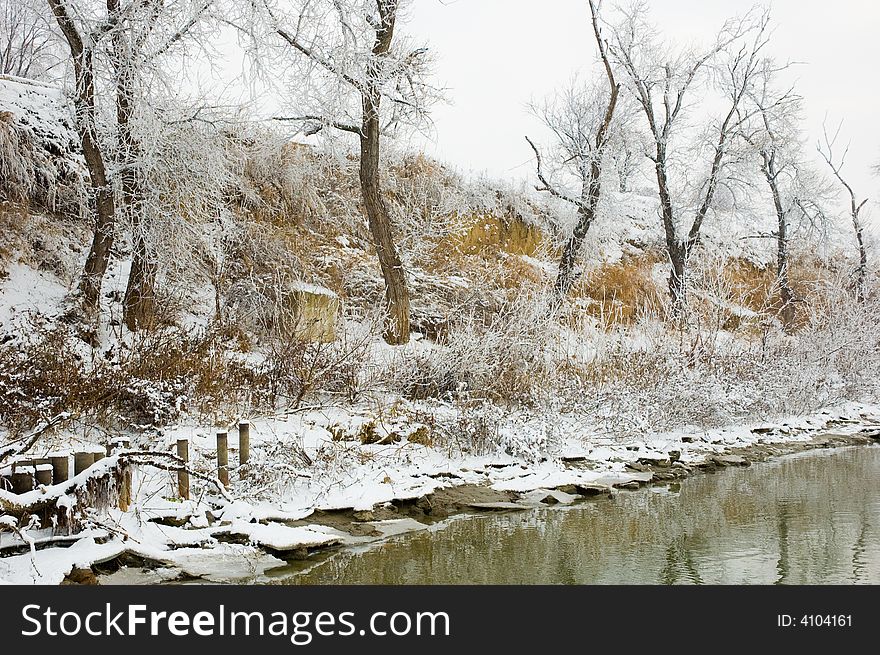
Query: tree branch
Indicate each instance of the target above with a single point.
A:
(321, 61)
(547, 186)
(323, 120)
(24, 444)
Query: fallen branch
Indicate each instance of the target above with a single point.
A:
(171, 462)
(23, 444)
(46, 498)
(9, 524)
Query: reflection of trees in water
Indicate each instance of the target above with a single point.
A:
(782, 563)
(679, 565)
(860, 571)
(799, 520)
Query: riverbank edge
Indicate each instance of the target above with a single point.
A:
(463, 499)
(630, 467)
(472, 499)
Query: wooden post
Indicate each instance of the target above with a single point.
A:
(223, 458)
(44, 473)
(124, 492)
(244, 447)
(60, 468)
(124, 498)
(183, 476)
(22, 479)
(82, 461)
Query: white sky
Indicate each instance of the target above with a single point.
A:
(495, 55)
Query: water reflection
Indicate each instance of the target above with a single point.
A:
(809, 519)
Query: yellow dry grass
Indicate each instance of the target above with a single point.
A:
(621, 292)
(487, 232)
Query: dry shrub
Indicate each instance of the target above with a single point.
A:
(280, 182)
(500, 357)
(623, 292)
(488, 234)
(753, 285)
(162, 375)
(40, 169)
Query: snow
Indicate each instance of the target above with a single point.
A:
(279, 537)
(367, 476)
(24, 291)
(51, 565)
(25, 97)
(220, 563)
(313, 289)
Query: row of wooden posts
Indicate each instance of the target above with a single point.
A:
(244, 454)
(28, 473)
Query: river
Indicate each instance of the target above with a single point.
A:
(812, 518)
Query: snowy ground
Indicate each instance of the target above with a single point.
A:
(218, 540)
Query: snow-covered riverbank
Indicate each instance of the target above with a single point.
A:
(354, 492)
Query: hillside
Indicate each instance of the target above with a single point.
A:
(270, 309)
(479, 257)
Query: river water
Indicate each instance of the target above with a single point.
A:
(812, 518)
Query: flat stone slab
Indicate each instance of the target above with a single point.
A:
(543, 497)
(498, 506)
(624, 478)
(135, 576)
(729, 460)
(279, 537)
(394, 527)
(228, 563)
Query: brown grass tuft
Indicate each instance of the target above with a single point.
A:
(622, 292)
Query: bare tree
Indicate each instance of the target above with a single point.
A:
(661, 82)
(775, 139)
(83, 39)
(773, 136)
(355, 62)
(627, 154)
(27, 45)
(127, 38)
(581, 120)
(826, 148)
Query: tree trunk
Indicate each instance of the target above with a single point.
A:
(105, 210)
(396, 291)
(677, 250)
(591, 191)
(861, 291)
(678, 261)
(786, 295)
(139, 304)
(102, 241)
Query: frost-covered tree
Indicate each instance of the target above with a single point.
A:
(828, 150)
(352, 72)
(775, 141)
(83, 37)
(582, 121)
(27, 45)
(662, 79)
(117, 49)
